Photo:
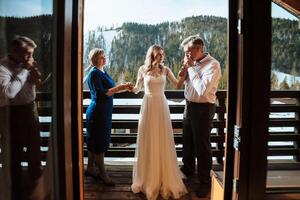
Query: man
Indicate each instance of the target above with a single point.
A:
(20, 133)
(202, 73)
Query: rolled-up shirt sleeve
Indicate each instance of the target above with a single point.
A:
(203, 83)
(11, 85)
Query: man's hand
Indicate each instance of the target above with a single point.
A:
(188, 61)
(35, 75)
(182, 72)
(29, 64)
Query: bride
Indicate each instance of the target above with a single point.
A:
(156, 170)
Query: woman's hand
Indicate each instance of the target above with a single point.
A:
(129, 86)
(120, 88)
(126, 86)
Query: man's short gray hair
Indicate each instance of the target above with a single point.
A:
(21, 42)
(195, 40)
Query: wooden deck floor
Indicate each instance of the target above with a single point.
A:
(281, 184)
(122, 176)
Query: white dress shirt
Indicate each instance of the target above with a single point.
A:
(15, 89)
(202, 82)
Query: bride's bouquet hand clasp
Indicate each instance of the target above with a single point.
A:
(128, 86)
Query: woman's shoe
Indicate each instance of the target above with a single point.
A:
(109, 183)
(106, 181)
(99, 162)
(95, 177)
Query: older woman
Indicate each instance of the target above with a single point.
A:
(99, 114)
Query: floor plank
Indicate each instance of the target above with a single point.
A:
(281, 184)
(122, 176)
(283, 178)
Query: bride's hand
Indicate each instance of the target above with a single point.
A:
(126, 86)
(122, 86)
(129, 86)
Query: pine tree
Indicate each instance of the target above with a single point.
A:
(284, 85)
(294, 74)
(274, 81)
(223, 80)
(295, 85)
(129, 47)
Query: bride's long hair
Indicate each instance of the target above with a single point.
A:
(150, 58)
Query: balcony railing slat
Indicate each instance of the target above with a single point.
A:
(285, 94)
(219, 123)
(284, 137)
(284, 108)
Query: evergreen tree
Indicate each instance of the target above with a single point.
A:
(284, 85)
(223, 80)
(274, 81)
(129, 46)
(95, 40)
(295, 85)
(294, 74)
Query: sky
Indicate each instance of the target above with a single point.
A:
(148, 11)
(115, 12)
(22, 8)
(106, 13)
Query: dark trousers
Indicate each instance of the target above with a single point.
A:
(197, 125)
(23, 143)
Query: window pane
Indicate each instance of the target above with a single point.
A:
(25, 98)
(283, 170)
(126, 31)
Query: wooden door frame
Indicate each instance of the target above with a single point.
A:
(254, 96)
(67, 98)
(77, 97)
(61, 106)
(231, 97)
(248, 98)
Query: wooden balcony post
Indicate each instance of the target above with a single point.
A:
(297, 132)
(220, 130)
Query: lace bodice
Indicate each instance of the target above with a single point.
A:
(153, 84)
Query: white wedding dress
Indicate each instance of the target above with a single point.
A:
(156, 170)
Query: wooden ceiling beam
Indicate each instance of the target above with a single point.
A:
(293, 6)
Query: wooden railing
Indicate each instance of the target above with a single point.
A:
(282, 128)
(132, 124)
(288, 126)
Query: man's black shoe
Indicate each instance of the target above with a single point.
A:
(186, 172)
(202, 193)
(204, 190)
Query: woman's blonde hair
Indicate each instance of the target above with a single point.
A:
(94, 53)
(150, 57)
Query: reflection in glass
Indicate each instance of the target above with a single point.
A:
(25, 109)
